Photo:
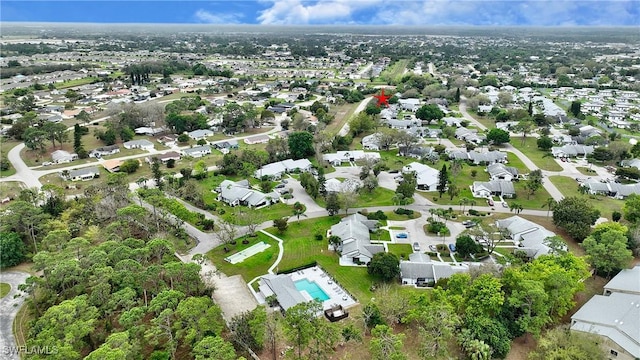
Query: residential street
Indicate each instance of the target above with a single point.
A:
(9, 307)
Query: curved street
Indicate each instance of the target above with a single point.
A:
(9, 307)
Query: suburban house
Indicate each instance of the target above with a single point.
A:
(200, 134)
(453, 122)
(258, 139)
(501, 172)
(277, 169)
(337, 186)
(631, 163)
(613, 189)
(420, 271)
(149, 131)
(355, 245)
(371, 142)
(168, 140)
(479, 158)
(104, 151)
(470, 136)
(61, 156)
(284, 289)
(226, 146)
(411, 104)
(481, 189)
(426, 176)
(198, 151)
(139, 144)
(240, 193)
(340, 157)
(529, 236)
(571, 151)
(614, 316)
(112, 165)
(164, 158)
(83, 174)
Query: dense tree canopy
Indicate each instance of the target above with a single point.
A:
(384, 265)
(301, 145)
(575, 216)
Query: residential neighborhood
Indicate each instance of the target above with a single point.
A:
(465, 196)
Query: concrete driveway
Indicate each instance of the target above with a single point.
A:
(414, 230)
(9, 307)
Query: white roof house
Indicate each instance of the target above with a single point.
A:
(426, 176)
(139, 144)
(277, 169)
(501, 172)
(485, 189)
(615, 315)
(356, 244)
(61, 156)
(420, 270)
(340, 157)
(283, 287)
(240, 193)
(197, 151)
(530, 237)
(571, 150)
(200, 134)
(83, 174)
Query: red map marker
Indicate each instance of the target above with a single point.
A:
(383, 100)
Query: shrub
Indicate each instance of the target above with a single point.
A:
(474, 212)
(403, 211)
(221, 211)
(318, 237)
(378, 215)
(435, 227)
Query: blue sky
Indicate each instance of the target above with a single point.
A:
(362, 12)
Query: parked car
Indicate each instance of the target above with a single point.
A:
(279, 186)
(416, 246)
(284, 181)
(47, 163)
(505, 205)
(490, 202)
(433, 248)
(452, 247)
(402, 235)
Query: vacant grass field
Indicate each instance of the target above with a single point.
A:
(394, 72)
(10, 189)
(378, 197)
(342, 113)
(251, 267)
(540, 158)
(569, 187)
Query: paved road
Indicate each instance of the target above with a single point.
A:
(547, 184)
(9, 307)
(363, 104)
(23, 173)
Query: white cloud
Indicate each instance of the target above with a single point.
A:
(205, 16)
(307, 12)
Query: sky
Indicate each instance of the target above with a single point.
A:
(328, 12)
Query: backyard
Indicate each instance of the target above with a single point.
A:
(251, 267)
(569, 187)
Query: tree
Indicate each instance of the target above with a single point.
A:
(631, 208)
(300, 321)
(301, 145)
(443, 180)
(575, 108)
(298, 210)
(56, 132)
(453, 191)
(12, 248)
(384, 265)
(606, 248)
(407, 186)
(466, 246)
(332, 204)
(385, 345)
(544, 143)
(560, 343)
(534, 182)
(550, 204)
(214, 348)
(281, 224)
(34, 139)
(347, 199)
(360, 123)
(525, 127)
(429, 113)
(157, 173)
(575, 216)
(437, 323)
(406, 141)
(130, 166)
(498, 136)
(197, 316)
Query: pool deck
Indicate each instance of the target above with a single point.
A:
(337, 295)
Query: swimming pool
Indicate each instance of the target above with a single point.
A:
(312, 289)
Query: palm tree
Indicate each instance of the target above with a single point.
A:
(142, 182)
(550, 204)
(463, 203)
(298, 210)
(453, 191)
(64, 175)
(516, 206)
(472, 203)
(397, 199)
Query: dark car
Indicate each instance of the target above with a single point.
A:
(452, 247)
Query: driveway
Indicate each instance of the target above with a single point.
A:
(9, 307)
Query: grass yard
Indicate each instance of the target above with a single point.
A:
(514, 161)
(342, 113)
(569, 187)
(394, 72)
(381, 235)
(402, 251)
(586, 171)
(251, 267)
(397, 217)
(4, 289)
(300, 248)
(77, 82)
(378, 197)
(393, 161)
(541, 159)
(10, 189)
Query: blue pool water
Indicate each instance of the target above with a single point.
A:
(312, 288)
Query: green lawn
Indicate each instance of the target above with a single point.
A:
(541, 159)
(569, 187)
(402, 251)
(4, 289)
(394, 72)
(382, 235)
(251, 267)
(586, 171)
(10, 189)
(378, 197)
(514, 161)
(342, 114)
